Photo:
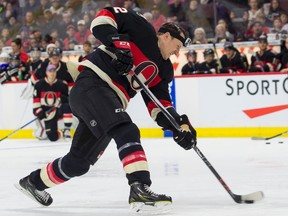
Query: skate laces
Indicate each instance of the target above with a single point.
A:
(150, 192)
(43, 195)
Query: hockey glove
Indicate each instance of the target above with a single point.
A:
(187, 137)
(122, 50)
(41, 115)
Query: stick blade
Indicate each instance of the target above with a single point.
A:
(252, 197)
(258, 138)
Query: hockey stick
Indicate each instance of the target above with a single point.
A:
(268, 138)
(217, 56)
(248, 198)
(15, 131)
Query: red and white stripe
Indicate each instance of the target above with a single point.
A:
(49, 177)
(134, 162)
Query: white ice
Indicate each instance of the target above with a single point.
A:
(245, 165)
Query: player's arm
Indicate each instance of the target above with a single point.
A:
(105, 28)
(186, 138)
(37, 108)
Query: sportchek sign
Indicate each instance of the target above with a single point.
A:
(250, 100)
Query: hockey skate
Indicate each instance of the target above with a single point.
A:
(66, 134)
(143, 200)
(26, 187)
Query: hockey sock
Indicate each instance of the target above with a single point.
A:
(131, 153)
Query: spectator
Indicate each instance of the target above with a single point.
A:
(158, 19)
(56, 8)
(265, 60)
(148, 16)
(30, 21)
(210, 65)
(88, 5)
(277, 27)
(43, 5)
(31, 5)
(16, 46)
(284, 20)
(13, 26)
(238, 23)
(162, 5)
(131, 5)
(61, 67)
(176, 12)
(254, 33)
(34, 62)
(262, 19)
(47, 23)
(254, 10)
(196, 18)
(83, 32)
(274, 12)
(94, 42)
(64, 23)
(5, 37)
(9, 11)
(192, 66)
(221, 35)
(231, 61)
(87, 48)
(199, 36)
(58, 107)
(71, 44)
(70, 31)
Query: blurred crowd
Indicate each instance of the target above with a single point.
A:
(29, 26)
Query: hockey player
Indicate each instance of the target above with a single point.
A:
(265, 60)
(34, 62)
(192, 66)
(210, 65)
(50, 102)
(61, 67)
(231, 61)
(100, 97)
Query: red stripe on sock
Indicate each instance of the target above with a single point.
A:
(134, 157)
(52, 176)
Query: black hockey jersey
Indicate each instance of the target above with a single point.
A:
(46, 96)
(209, 68)
(267, 61)
(190, 68)
(233, 65)
(145, 50)
(62, 73)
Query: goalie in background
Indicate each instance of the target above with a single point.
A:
(50, 103)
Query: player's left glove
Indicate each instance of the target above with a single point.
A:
(187, 137)
(122, 50)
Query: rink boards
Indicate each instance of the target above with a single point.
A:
(217, 105)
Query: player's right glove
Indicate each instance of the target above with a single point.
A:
(187, 137)
(41, 115)
(122, 50)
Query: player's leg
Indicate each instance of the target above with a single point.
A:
(67, 119)
(133, 158)
(51, 128)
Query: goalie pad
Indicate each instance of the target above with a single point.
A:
(27, 92)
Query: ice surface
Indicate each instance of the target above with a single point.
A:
(245, 165)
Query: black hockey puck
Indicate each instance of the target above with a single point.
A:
(280, 142)
(249, 201)
(268, 143)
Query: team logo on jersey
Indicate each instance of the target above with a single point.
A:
(50, 98)
(146, 71)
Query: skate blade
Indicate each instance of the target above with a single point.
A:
(157, 209)
(18, 186)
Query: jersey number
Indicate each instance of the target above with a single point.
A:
(120, 10)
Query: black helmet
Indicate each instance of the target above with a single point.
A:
(192, 53)
(208, 51)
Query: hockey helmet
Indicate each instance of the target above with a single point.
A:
(208, 51)
(191, 53)
(35, 54)
(15, 60)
